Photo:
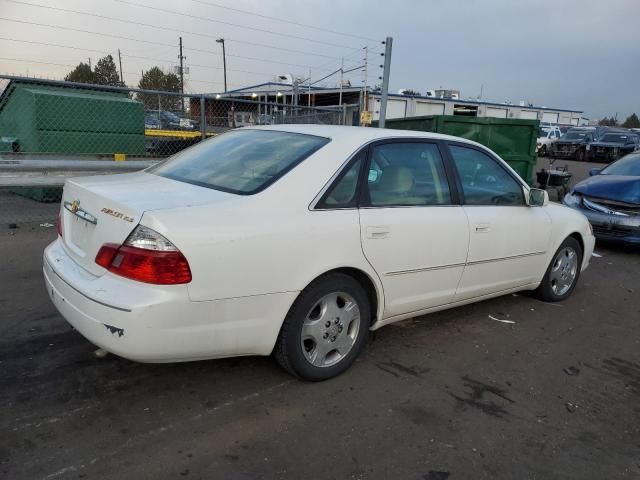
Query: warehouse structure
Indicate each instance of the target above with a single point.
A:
(398, 106)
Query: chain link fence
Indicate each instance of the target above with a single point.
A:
(51, 122)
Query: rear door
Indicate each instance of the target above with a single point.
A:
(507, 238)
(413, 233)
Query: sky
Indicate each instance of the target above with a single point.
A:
(574, 54)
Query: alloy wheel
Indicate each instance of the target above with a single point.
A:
(330, 329)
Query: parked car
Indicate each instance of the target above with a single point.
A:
(297, 240)
(151, 121)
(546, 136)
(610, 199)
(573, 144)
(612, 145)
(166, 120)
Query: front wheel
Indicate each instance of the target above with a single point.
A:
(562, 274)
(325, 329)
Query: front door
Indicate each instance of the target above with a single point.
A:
(413, 234)
(508, 239)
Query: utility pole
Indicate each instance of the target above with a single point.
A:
(89, 62)
(341, 80)
(385, 81)
(366, 86)
(120, 61)
(224, 62)
(309, 91)
(181, 76)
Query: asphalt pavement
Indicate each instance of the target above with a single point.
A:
(461, 394)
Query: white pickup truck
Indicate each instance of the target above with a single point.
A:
(547, 135)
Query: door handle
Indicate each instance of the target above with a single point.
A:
(377, 232)
(483, 228)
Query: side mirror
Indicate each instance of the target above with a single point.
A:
(594, 171)
(537, 198)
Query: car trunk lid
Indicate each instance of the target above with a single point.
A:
(105, 209)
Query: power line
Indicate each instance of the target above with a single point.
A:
(291, 22)
(126, 73)
(237, 25)
(137, 57)
(168, 29)
(148, 42)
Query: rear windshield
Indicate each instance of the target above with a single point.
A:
(574, 135)
(241, 161)
(615, 138)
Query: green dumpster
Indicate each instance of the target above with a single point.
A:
(513, 140)
(65, 119)
(37, 117)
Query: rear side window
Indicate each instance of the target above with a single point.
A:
(484, 181)
(407, 174)
(343, 193)
(241, 161)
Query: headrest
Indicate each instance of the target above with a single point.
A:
(396, 180)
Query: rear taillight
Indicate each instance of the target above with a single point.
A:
(59, 223)
(146, 256)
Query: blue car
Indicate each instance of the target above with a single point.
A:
(610, 199)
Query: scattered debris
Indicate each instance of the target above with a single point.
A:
(47, 225)
(571, 407)
(597, 255)
(436, 475)
(500, 320)
(100, 353)
(572, 371)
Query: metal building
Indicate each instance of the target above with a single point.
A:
(399, 106)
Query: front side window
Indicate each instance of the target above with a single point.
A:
(241, 161)
(402, 174)
(484, 181)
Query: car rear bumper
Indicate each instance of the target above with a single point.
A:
(153, 323)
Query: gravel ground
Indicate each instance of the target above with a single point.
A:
(454, 395)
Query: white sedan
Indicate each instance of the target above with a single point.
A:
(297, 240)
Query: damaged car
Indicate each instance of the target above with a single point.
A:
(573, 145)
(613, 145)
(610, 199)
(297, 240)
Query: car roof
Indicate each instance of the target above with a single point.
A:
(359, 134)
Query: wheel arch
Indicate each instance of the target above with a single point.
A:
(578, 237)
(371, 285)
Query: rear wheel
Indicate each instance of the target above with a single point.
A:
(562, 274)
(542, 152)
(325, 329)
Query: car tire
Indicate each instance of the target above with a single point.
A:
(543, 151)
(580, 155)
(562, 274)
(325, 328)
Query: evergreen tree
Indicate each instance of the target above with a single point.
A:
(632, 121)
(156, 79)
(81, 74)
(106, 72)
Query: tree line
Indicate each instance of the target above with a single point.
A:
(632, 121)
(106, 73)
